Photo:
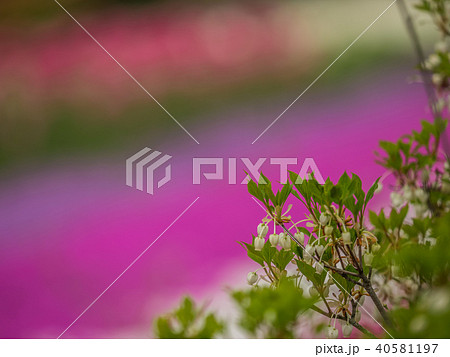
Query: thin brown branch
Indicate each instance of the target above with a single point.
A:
(340, 317)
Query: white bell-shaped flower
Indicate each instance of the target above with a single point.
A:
(313, 291)
(408, 193)
(319, 268)
(259, 243)
(437, 79)
(347, 238)
(324, 219)
(332, 332)
(396, 199)
(300, 236)
(368, 258)
(262, 229)
(347, 330)
(421, 195)
(252, 278)
(309, 251)
(376, 248)
(285, 241)
(320, 249)
(274, 239)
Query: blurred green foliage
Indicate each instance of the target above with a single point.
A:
(188, 321)
(272, 313)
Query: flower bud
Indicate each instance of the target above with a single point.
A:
(300, 236)
(328, 230)
(274, 239)
(252, 278)
(324, 219)
(347, 330)
(433, 60)
(347, 238)
(379, 188)
(361, 300)
(376, 248)
(437, 301)
(437, 79)
(258, 243)
(313, 291)
(396, 199)
(326, 291)
(418, 324)
(332, 332)
(408, 193)
(285, 241)
(309, 250)
(411, 286)
(358, 316)
(262, 230)
(421, 195)
(368, 258)
(319, 268)
(420, 210)
(320, 249)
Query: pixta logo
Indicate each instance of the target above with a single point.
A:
(142, 166)
(202, 166)
(147, 161)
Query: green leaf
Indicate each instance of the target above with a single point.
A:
(252, 253)
(396, 218)
(371, 191)
(336, 194)
(307, 270)
(255, 191)
(283, 258)
(185, 313)
(344, 181)
(373, 217)
(266, 187)
(327, 255)
(268, 252)
(285, 192)
(343, 284)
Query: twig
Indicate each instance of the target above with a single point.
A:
(351, 321)
(369, 289)
(427, 83)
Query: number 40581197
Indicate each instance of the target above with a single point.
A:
(407, 348)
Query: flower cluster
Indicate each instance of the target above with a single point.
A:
(329, 254)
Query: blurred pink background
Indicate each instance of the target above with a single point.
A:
(68, 223)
